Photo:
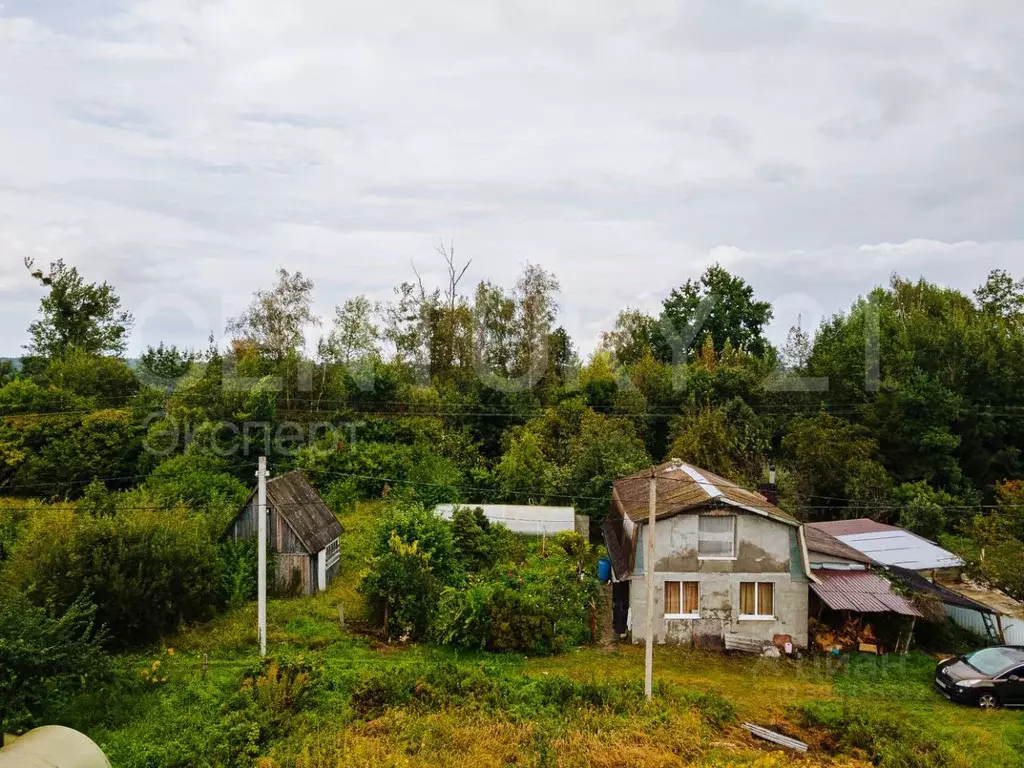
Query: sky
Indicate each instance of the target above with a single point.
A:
(183, 150)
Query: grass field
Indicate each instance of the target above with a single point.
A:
(339, 698)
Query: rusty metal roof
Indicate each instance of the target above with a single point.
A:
(860, 591)
(682, 487)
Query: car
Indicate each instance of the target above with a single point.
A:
(988, 678)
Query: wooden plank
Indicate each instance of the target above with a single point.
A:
(775, 738)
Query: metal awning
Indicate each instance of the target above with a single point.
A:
(860, 591)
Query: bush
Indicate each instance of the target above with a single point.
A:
(239, 577)
(413, 558)
(540, 606)
(201, 483)
(45, 656)
(146, 571)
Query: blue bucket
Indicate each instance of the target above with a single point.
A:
(604, 569)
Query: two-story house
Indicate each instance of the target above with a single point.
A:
(730, 569)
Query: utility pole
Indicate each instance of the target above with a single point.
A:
(261, 555)
(649, 579)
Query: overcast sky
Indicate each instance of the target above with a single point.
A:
(182, 150)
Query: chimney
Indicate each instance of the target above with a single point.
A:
(768, 490)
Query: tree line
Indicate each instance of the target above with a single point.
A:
(906, 408)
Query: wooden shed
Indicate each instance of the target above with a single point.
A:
(301, 530)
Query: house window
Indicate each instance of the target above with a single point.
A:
(757, 600)
(716, 537)
(681, 600)
(333, 553)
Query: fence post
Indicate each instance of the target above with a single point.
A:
(206, 664)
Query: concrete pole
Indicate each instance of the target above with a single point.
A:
(649, 580)
(261, 555)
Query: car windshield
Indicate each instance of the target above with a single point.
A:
(992, 661)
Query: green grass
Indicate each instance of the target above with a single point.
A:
(351, 701)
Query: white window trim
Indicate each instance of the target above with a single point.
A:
(757, 599)
(733, 556)
(680, 582)
(335, 556)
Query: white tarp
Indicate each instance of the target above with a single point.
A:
(521, 518)
(903, 549)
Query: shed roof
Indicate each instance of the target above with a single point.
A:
(682, 487)
(918, 583)
(999, 602)
(890, 545)
(823, 543)
(860, 591)
(300, 505)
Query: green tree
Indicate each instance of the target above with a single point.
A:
(164, 367)
(925, 510)
(730, 441)
(276, 319)
(834, 467)
(75, 314)
(720, 306)
(107, 379)
(634, 335)
(1001, 295)
(605, 449)
(524, 473)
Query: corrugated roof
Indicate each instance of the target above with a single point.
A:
(918, 583)
(297, 501)
(822, 543)
(682, 487)
(860, 591)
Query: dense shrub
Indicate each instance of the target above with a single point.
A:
(201, 483)
(147, 571)
(239, 577)
(539, 606)
(413, 557)
(45, 656)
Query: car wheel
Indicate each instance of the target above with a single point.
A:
(988, 701)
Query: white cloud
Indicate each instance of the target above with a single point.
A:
(191, 148)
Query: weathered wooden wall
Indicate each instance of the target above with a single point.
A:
(282, 538)
(288, 564)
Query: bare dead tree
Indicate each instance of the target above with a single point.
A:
(455, 274)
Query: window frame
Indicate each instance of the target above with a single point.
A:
(682, 600)
(332, 553)
(757, 616)
(733, 556)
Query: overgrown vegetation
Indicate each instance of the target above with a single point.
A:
(121, 481)
(474, 585)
